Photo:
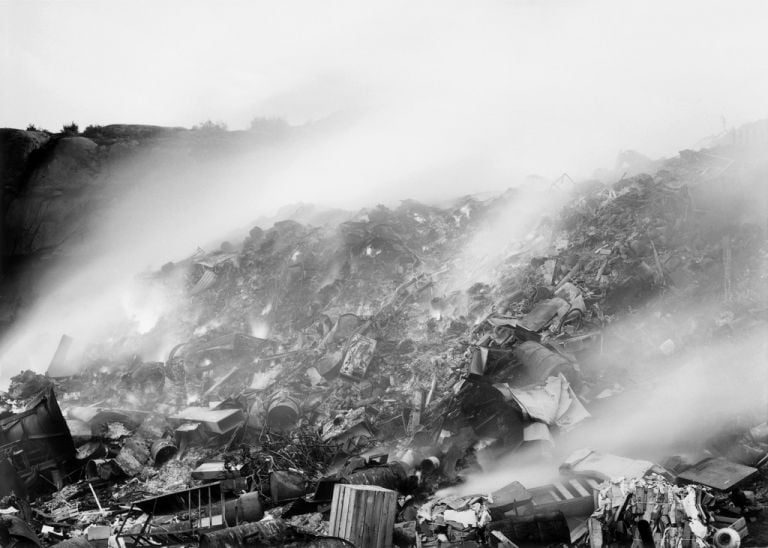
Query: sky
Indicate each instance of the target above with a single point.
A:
(439, 99)
(535, 81)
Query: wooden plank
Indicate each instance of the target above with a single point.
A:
(593, 484)
(377, 509)
(334, 511)
(576, 484)
(373, 504)
(554, 495)
(563, 491)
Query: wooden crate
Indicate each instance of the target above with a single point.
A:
(363, 515)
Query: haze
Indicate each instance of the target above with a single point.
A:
(428, 100)
(542, 86)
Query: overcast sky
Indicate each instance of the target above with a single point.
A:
(571, 81)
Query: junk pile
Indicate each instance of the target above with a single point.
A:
(332, 386)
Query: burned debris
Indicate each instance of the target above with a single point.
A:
(335, 387)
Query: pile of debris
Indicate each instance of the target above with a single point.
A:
(330, 383)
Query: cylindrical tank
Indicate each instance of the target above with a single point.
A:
(163, 450)
(244, 509)
(283, 411)
(429, 465)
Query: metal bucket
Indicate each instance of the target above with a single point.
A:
(283, 412)
(162, 451)
(429, 465)
(244, 509)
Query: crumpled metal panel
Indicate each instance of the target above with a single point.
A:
(41, 431)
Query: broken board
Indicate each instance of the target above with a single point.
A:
(717, 473)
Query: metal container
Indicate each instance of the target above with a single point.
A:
(429, 465)
(283, 411)
(163, 450)
(41, 430)
(244, 509)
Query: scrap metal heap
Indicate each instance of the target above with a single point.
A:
(312, 360)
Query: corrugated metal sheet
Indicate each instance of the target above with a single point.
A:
(206, 280)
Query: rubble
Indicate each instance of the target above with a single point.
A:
(322, 368)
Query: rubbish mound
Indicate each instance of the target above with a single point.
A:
(335, 386)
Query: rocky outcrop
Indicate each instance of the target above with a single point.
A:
(53, 186)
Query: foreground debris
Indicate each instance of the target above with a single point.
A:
(329, 384)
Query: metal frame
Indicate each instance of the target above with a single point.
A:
(149, 535)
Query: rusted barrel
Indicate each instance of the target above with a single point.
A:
(429, 465)
(283, 411)
(244, 509)
(162, 451)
